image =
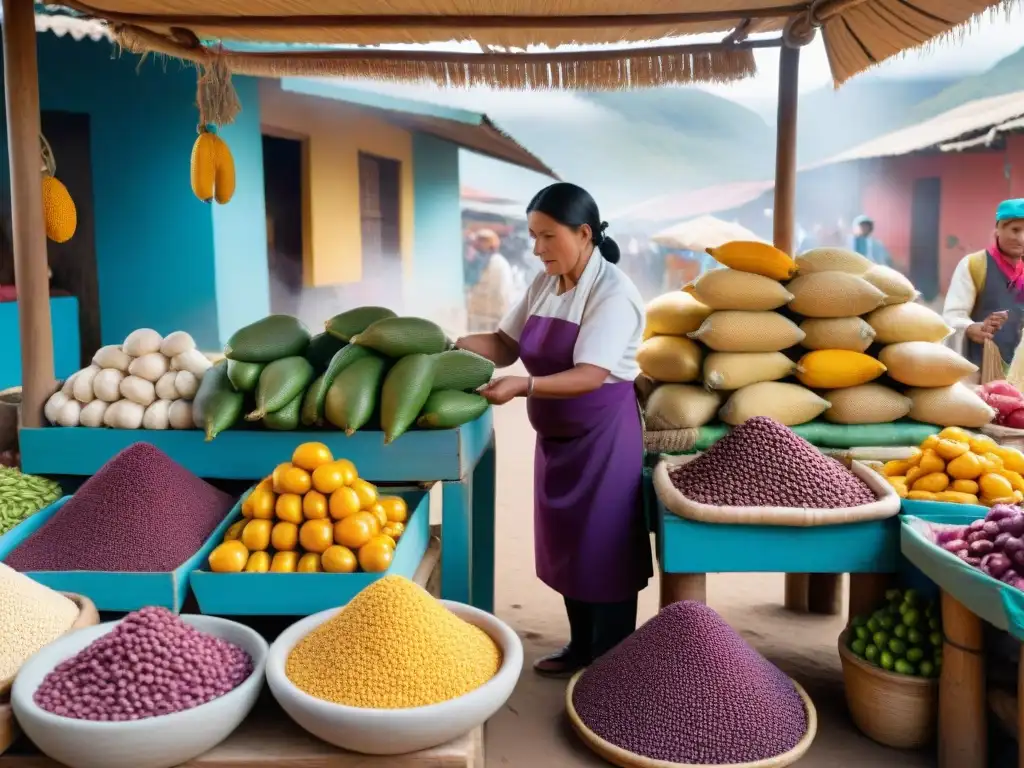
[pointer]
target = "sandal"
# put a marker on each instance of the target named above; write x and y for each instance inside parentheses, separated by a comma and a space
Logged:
(560, 664)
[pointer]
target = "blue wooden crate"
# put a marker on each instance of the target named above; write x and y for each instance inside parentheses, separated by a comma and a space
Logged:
(246, 454)
(115, 590)
(942, 511)
(687, 546)
(301, 594)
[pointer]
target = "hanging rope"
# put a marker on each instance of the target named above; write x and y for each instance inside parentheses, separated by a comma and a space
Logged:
(215, 94)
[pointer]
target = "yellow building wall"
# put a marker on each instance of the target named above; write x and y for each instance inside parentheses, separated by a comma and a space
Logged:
(333, 135)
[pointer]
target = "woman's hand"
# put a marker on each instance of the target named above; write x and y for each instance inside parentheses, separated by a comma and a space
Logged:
(506, 388)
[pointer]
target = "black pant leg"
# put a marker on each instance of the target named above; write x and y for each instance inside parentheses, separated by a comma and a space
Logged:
(613, 623)
(581, 628)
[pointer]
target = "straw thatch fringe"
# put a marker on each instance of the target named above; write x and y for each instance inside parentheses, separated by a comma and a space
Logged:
(585, 70)
(215, 95)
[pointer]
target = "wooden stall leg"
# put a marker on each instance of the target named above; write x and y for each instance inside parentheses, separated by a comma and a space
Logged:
(824, 594)
(1020, 709)
(963, 727)
(797, 592)
(482, 556)
(683, 586)
(457, 540)
(867, 592)
(31, 271)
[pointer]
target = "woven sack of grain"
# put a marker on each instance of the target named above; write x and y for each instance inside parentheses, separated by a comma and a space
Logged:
(922, 364)
(852, 333)
(886, 505)
(866, 404)
(830, 259)
(954, 406)
(675, 314)
(672, 359)
(735, 370)
(732, 289)
(894, 284)
(737, 331)
(837, 368)
(788, 404)
(907, 322)
(833, 294)
(680, 406)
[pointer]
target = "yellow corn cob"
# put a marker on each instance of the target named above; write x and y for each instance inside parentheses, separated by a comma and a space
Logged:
(224, 177)
(59, 210)
(204, 166)
(759, 258)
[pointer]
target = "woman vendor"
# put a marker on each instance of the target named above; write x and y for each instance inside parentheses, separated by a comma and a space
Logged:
(985, 299)
(577, 331)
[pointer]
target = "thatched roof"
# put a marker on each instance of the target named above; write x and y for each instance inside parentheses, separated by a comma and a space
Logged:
(858, 34)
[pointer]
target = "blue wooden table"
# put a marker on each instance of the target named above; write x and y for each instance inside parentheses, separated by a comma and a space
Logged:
(462, 460)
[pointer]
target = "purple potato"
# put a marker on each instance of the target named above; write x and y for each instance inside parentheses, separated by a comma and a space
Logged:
(1001, 511)
(974, 561)
(1001, 539)
(981, 548)
(1013, 544)
(974, 536)
(991, 528)
(949, 534)
(976, 525)
(963, 554)
(996, 564)
(955, 546)
(1013, 525)
(1009, 575)
(1017, 583)
(1018, 558)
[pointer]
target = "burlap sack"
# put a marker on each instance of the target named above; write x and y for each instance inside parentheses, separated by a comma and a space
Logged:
(887, 504)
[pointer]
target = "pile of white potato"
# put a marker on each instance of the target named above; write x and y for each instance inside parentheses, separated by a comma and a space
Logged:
(147, 382)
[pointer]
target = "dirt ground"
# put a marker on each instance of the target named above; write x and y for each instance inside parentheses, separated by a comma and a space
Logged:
(531, 731)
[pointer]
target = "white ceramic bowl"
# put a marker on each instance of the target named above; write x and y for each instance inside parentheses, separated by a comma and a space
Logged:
(396, 731)
(154, 742)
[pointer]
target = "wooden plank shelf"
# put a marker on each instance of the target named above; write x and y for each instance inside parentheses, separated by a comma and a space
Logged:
(248, 454)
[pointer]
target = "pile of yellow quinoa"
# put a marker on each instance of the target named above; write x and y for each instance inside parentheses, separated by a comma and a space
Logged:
(31, 616)
(393, 647)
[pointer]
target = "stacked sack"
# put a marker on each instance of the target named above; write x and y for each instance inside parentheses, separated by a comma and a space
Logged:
(748, 336)
(146, 382)
(850, 304)
(671, 361)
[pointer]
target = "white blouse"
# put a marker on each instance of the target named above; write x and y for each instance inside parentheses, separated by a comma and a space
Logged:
(604, 303)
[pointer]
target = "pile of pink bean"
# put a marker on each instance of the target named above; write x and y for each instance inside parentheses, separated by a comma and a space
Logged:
(151, 664)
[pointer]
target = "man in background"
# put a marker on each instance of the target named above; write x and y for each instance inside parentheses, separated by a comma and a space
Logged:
(864, 242)
(490, 299)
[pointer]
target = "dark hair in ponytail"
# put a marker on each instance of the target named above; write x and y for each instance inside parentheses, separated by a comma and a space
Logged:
(572, 206)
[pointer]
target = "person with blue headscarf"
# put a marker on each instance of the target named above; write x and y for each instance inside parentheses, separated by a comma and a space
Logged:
(985, 300)
(864, 242)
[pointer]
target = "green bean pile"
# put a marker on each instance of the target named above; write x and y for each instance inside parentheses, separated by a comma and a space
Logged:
(21, 496)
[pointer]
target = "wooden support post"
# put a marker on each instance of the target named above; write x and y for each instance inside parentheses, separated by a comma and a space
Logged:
(867, 592)
(21, 84)
(963, 715)
(683, 586)
(784, 217)
(825, 594)
(1020, 709)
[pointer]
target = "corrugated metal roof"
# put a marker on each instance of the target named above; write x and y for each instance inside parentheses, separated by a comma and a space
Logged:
(48, 20)
(948, 129)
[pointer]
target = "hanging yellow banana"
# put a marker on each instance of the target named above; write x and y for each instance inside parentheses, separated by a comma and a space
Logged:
(224, 178)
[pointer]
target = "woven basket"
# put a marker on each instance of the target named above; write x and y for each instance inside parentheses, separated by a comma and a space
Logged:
(620, 757)
(10, 404)
(895, 710)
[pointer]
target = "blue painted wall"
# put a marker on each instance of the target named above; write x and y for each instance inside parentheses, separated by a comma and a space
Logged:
(63, 316)
(436, 289)
(164, 259)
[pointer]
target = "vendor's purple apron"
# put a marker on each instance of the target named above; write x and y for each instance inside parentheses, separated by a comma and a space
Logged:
(591, 542)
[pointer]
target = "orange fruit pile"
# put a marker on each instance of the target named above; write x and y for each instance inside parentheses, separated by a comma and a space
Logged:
(313, 514)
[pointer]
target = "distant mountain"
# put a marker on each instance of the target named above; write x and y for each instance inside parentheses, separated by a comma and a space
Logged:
(1006, 76)
(863, 109)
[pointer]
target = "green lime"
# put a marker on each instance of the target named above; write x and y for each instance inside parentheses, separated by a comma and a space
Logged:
(858, 646)
(926, 669)
(904, 607)
(935, 638)
(911, 596)
(893, 595)
(886, 660)
(893, 610)
(903, 667)
(873, 625)
(858, 621)
(911, 617)
(934, 623)
(898, 647)
(914, 655)
(871, 653)
(914, 636)
(900, 631)
(887, 622)
(881, 639)
(862, 633)
(930, 610)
